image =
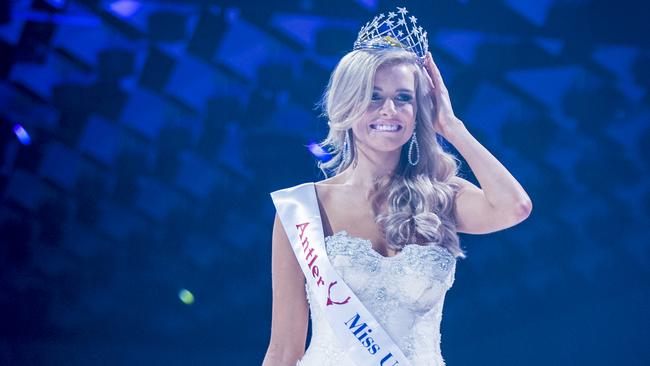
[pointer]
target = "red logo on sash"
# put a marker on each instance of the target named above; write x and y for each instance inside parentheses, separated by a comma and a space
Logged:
(329, 297)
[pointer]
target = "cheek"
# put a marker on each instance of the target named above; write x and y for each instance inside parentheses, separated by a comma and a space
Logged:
(409, 115)
(409, 111)
(359, 127)
(371, 112)
(362, 124)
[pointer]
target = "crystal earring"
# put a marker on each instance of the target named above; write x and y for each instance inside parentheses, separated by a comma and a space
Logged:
(346, 148)
(414, 142)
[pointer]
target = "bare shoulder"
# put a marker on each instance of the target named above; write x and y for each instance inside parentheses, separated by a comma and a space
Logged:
(327, 187)
(335, 180)
(458, 180)
(462, 184)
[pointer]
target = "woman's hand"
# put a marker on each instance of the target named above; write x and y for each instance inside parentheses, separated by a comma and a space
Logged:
(444, 119)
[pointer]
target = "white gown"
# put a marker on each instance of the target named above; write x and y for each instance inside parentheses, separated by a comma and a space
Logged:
(405, 293)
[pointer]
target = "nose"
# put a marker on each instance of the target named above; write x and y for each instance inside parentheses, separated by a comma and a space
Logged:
(388, 107)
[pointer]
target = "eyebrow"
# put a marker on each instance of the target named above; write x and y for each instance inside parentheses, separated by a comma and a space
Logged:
(398, 90)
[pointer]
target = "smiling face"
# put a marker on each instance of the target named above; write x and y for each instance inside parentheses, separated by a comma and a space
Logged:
(389, 120)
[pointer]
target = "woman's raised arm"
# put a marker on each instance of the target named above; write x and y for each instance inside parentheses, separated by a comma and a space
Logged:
(500, 202)
(290, 314)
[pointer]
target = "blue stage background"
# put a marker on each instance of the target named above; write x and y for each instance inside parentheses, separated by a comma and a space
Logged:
(139, 141)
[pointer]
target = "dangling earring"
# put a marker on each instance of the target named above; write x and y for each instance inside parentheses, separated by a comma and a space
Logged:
(346, 148)
(414, 142)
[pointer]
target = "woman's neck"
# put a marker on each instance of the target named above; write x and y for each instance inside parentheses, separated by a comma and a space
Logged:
(367, 169)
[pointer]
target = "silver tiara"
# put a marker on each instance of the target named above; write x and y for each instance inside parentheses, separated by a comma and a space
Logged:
(394, 30)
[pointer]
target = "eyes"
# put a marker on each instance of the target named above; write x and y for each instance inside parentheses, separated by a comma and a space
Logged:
(400, 98)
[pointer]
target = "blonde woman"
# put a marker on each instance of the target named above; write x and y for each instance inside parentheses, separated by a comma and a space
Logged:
(382, 254)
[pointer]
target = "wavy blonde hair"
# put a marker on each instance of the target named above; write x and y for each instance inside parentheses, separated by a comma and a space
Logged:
(416, 203)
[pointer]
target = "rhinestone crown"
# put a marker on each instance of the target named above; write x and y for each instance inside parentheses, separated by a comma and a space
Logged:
(394, 30)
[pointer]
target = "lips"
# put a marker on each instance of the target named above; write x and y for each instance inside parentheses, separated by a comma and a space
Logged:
(386, 126)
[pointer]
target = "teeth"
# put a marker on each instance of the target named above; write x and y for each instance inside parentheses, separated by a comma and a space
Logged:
(385, 127)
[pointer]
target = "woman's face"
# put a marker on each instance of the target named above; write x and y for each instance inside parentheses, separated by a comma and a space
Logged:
(389, 121)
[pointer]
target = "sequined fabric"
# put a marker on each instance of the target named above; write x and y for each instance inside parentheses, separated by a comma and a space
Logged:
(404, 292)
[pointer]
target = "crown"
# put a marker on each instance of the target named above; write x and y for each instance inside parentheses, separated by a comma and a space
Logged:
(394, 30)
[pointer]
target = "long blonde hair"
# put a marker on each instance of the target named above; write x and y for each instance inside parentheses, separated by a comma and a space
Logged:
(418, 200)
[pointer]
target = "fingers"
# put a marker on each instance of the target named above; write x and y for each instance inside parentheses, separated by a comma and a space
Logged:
(434, 72)
(429, 80)
(428, 63)
(432, 65)
(429, 72)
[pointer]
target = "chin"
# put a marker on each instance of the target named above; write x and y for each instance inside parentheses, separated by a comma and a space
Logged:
(383, 142)
(387, 147)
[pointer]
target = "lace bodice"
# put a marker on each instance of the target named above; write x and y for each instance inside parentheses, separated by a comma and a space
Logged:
(405, 293)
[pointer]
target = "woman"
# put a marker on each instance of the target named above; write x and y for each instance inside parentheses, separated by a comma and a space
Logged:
(386, 221)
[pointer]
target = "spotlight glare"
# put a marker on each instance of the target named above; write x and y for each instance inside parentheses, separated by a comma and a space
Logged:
(22, 134)
(58, 4)
(125, 8)
(186, 297)
(318, 151)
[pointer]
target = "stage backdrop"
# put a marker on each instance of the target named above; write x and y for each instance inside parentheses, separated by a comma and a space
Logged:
(139, 140)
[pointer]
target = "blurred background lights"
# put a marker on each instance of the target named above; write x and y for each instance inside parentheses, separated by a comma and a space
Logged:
(186, 296)
(58, 4)
(318, 151)
(193, 111)
(22, 134)
(125, 8)
(232, 14)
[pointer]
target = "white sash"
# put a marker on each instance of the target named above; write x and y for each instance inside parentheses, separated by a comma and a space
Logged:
(363, 338)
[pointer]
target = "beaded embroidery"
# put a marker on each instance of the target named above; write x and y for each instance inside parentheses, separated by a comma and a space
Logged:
(404, 292)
